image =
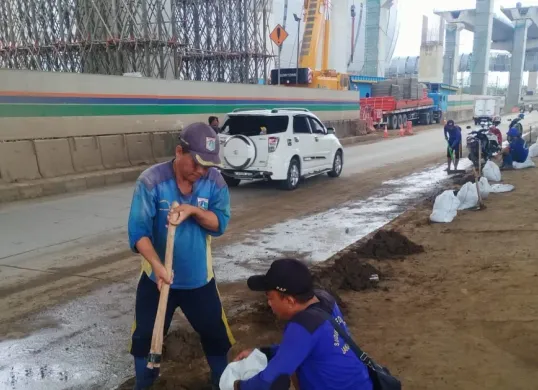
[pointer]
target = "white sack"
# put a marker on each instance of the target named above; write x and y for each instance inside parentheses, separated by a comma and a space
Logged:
(484, 187)
(243, 369)
(527, 164)
(445, 207)
(498, 188)
(468, 196)
(533, 150)
(491, 171)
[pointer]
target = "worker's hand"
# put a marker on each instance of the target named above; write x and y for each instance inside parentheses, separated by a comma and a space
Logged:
(180, 213)
(236, 385)
(243, 355)
(162, 275)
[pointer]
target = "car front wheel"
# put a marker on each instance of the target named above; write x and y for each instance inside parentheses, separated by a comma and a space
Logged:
(338, 164)
(294, 176)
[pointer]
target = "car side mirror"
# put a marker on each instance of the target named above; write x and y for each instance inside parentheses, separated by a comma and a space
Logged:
(468, 127)
(331, 130)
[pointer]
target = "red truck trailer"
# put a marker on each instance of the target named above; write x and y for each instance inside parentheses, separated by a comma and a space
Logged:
(387, 110)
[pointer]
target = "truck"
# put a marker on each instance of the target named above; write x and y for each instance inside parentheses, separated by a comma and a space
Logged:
(487, 107)
(392, 112)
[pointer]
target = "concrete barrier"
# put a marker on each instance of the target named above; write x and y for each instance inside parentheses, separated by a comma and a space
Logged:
(86, 154)
(18, 161)
(54, 157)
(139, 149)
(163, 145)
(113, 151)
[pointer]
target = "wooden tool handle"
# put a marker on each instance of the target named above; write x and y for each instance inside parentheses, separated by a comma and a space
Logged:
(158, 327)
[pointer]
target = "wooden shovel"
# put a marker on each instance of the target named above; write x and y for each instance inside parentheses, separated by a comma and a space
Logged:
(155, 353)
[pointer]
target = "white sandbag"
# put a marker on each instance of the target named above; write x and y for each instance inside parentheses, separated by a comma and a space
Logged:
(468, 196)
(527, 164)
(491, 171)
(533, 150)
(243, 369)
(498, 188)
(484, 187)
(445, 207)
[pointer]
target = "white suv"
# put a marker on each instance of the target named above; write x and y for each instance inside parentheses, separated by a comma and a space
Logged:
(282, 144)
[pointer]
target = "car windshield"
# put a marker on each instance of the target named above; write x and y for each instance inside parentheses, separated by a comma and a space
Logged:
(251, 125)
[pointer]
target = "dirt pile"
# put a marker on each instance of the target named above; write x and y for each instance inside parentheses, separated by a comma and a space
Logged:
(388, 244)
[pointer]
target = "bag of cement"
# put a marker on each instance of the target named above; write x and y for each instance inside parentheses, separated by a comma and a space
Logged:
(491, 171)
(527, 164)
(498, 188)
(533, 151)
(484, 187)
(445, 207)
(243, 369)
(468, 196)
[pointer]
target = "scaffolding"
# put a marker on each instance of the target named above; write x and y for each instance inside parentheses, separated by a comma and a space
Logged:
(204, 40)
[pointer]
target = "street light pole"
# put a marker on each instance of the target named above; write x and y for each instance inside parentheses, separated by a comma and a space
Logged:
(298, 20)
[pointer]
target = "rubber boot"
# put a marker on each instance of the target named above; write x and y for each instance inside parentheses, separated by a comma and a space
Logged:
(217, 364)
(144, 376)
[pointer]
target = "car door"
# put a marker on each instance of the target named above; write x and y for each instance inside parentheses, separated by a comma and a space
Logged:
(304, 142)
(323, 143)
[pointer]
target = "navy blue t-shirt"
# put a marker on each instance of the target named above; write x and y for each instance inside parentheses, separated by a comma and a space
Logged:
(313, 349)
(518, 151)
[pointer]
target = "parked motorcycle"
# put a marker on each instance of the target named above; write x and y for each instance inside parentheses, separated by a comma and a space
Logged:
(515, 123)
(487, 140)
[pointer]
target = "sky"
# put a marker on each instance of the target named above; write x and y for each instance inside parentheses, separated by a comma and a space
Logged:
(411, 25)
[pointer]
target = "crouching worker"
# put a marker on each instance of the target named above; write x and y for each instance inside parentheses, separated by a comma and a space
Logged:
(516, 151)
(311, 350)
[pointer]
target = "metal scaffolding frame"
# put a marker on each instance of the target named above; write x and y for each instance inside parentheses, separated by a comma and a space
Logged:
(204, 40)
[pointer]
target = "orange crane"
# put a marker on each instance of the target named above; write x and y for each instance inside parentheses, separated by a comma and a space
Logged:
(316, 16)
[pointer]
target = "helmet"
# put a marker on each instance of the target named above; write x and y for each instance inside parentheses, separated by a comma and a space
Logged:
(521, 116)
(513, 132)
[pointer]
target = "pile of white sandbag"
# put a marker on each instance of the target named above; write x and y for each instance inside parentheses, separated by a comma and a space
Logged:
(447, 204)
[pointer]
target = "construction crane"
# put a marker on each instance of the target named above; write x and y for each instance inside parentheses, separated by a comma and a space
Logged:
(316, 16)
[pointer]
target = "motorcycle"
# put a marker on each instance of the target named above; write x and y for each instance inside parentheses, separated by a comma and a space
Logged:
(489, 144)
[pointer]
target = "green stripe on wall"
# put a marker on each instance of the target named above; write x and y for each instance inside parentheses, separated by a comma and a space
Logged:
(461, 103)
(63, 110)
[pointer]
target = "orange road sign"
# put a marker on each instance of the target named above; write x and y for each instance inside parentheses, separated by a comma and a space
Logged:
(278, 35)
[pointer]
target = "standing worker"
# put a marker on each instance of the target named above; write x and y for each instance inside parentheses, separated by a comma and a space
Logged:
(453, 138)
(204, 205)
(214, 123)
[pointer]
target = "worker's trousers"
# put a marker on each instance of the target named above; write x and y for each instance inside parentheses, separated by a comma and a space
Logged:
(202, 308)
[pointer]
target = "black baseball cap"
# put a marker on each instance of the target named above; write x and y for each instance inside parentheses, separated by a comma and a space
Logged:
(288, 276)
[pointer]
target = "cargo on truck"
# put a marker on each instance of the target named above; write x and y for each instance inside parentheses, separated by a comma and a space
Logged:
(396, 101)
(487, 107)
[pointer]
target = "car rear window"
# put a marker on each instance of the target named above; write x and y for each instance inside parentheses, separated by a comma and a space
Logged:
(251, 125)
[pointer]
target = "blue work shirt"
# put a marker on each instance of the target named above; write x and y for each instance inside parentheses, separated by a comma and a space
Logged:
(313, 350)
(518, 151)
(453, 135)
(155, 190)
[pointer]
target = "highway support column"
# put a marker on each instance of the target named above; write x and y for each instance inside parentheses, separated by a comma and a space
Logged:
(481, 46)
(533, 81)
(517, 62)
(451, 61)
(377, 16)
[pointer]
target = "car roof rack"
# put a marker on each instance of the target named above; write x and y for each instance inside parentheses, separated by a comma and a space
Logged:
(275, 110)
(248, 109)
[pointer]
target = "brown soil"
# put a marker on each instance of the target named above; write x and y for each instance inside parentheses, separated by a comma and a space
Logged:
(460, 314)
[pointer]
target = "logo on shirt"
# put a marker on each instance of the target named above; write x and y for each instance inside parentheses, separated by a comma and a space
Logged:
(203, 203)
(210, 143)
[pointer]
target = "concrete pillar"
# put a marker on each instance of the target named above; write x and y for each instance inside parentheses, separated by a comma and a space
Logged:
(451, 62)
(481, 46)
(375, 37)
(424, 29)
(517, 63)
(533, 81)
